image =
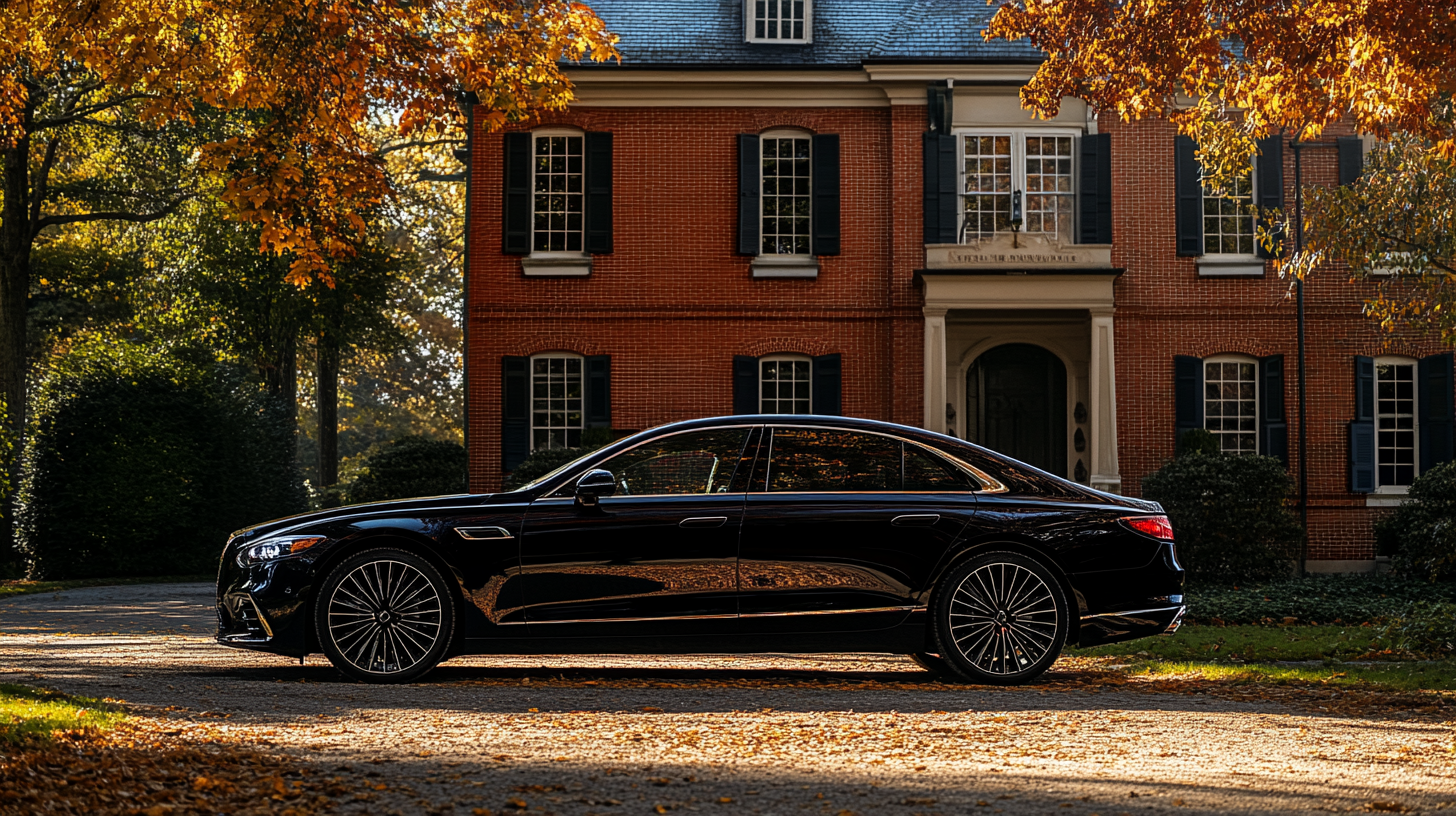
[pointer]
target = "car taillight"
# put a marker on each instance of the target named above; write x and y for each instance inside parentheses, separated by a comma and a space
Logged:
(1155, 526)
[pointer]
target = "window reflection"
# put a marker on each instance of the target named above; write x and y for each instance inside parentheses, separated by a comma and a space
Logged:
(927, 473)
(701, 462)
(805, 459)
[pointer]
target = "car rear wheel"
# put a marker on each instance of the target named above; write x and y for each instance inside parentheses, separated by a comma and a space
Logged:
(384, 615)
(1001, 618)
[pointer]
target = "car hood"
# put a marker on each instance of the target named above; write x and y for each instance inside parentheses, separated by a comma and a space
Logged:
(396, 507)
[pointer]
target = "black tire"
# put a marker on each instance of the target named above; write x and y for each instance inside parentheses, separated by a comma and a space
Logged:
(933, 663)
(384, 615)
(1001, 618)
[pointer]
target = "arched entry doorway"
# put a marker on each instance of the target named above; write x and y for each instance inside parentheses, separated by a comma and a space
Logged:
(1016, 404)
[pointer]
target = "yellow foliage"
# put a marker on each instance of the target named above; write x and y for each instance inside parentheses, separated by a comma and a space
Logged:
(306, 77)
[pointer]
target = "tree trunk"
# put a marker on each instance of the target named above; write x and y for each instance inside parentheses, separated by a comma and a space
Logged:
(328, 409)
(16, 239)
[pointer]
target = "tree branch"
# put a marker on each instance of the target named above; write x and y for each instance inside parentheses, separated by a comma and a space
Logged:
(1425, 250)
(41, 182)
(82, 113)
(135, 218)
(387, 149)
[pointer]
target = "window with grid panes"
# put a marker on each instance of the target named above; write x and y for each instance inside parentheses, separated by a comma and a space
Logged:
(784, 385)
(996, 167)
(1395, 423)
(1231, 403)
(1228, 219)
(785, 195)
(557, 199)
(779, 20)
(556, 401)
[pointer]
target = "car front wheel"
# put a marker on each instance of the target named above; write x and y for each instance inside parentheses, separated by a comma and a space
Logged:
(1001, 618)
(384, 615)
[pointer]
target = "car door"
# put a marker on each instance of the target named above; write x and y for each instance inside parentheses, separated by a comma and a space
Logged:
(658, 554)
(843, 529)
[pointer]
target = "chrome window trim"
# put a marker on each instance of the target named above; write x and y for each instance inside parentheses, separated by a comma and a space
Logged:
(600, 464)
(992, 485)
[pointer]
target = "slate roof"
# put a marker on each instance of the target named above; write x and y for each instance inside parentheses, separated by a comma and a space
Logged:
(847, 34)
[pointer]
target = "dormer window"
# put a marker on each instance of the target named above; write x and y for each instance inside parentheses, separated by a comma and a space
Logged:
(779, 21)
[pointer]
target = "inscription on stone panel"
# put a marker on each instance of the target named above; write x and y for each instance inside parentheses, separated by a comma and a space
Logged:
(1002, 252)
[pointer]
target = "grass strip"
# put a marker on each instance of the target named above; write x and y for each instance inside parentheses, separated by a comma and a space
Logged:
(28, 714)
(1417, 675)
(21, 587)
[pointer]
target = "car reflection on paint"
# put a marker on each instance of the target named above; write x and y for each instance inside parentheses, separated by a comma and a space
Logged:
(728, 535)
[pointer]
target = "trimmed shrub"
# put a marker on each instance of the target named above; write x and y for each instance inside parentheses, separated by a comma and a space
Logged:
(1426, 629)
(1198, 440)
(408, 468)
(1324, 599)
(141, 463)
(1230, 516)
(1420, 535)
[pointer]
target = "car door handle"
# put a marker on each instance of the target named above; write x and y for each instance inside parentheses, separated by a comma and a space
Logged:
(483, 533)
(704, 521)
(919, 520)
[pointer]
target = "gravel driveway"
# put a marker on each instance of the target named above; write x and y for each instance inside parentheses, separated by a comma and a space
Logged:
(775, 734)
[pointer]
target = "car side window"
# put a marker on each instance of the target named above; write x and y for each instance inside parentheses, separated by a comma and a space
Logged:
(695, 462)
(826, 460)
(928, 473)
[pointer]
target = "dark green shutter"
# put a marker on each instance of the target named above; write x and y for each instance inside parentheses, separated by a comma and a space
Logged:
(1352, 159)
(517, 208)
(1189, 186)
(598, 396)
(745, 385)
(1269, 175)
(1362, 428)
(750, 168)
(599, 193)
(515, 411)
(1273, 427)
(825, 185)
(1435, 411)
(827, 385)
(942, 214)
(1094, 193)
(939, 107)
(1187, 395)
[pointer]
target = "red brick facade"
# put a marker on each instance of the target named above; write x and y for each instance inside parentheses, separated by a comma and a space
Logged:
(674, 303)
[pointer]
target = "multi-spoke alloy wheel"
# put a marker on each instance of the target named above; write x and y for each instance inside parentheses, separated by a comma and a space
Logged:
(384, 615)
(1001, 618)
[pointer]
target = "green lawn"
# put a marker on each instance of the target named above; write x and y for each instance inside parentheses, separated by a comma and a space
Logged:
(27, 713)
(1256, 652)
(12, 588)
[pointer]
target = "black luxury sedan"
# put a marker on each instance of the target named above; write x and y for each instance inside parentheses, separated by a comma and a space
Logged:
(734, 534)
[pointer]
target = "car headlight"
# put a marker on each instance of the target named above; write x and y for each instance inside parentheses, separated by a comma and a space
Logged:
(276, 548)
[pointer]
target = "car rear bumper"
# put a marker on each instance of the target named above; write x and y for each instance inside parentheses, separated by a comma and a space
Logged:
(1112, 627)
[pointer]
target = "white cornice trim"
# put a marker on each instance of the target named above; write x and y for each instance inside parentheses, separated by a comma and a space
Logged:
(960, 73)
(757, 77)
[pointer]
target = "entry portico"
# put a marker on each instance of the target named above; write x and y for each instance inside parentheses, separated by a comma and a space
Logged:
(1019, 353)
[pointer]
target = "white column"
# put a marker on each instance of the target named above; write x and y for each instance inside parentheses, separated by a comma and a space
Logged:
(935, 370)
(1103, 385)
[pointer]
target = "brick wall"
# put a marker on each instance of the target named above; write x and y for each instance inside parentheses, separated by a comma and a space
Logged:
(1165, 309)
(674, 303)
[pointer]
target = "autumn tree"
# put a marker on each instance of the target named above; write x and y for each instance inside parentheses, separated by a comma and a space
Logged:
(1296, 66)
(271, 98)
(1228, 73)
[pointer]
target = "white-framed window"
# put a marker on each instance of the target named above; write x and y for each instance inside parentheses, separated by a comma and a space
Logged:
(779, 21)
(1396, 428)
(785, 384)
(1018, 180)
(558, 201)
(786, 199)
(1228, 219)
(557, 410)
(1231, 402)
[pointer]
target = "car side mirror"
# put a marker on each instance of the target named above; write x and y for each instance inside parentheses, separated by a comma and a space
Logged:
(593, 485)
